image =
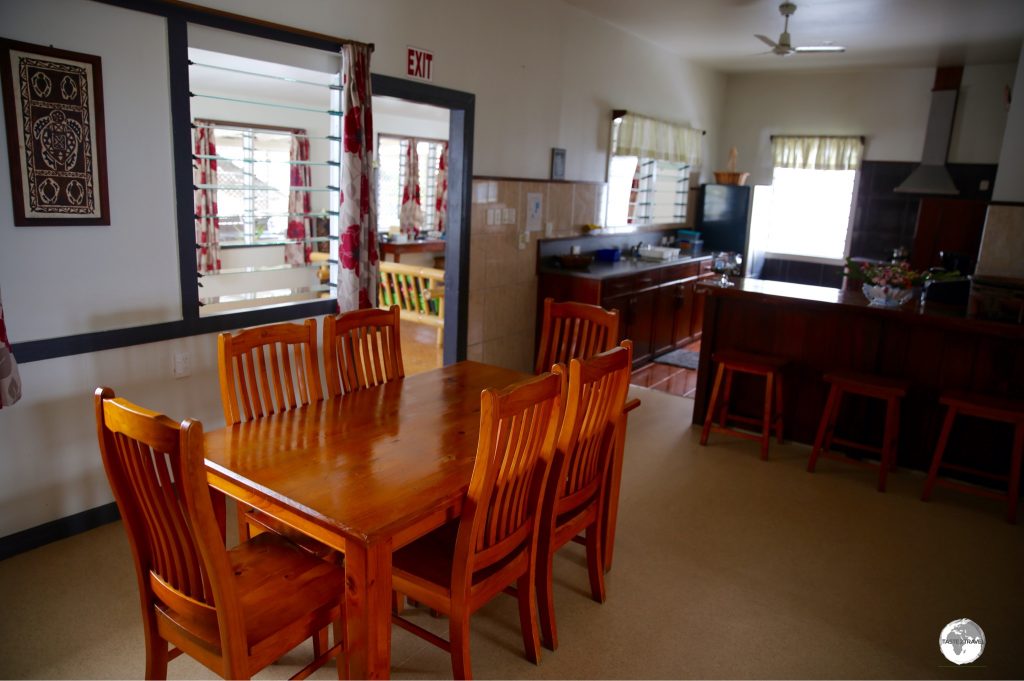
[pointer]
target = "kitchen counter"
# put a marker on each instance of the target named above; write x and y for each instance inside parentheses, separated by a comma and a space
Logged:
(608, 270)
(818, 330)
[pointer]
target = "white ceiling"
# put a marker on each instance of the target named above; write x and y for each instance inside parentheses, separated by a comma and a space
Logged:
(720, 33)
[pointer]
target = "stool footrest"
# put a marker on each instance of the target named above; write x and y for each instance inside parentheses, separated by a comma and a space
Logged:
(973, 471)
(857, 445)
(849, 459)
(971, 489)
(738, 433)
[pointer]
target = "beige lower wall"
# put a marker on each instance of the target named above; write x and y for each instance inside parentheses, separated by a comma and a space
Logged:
(1002, 242)
(503, 262)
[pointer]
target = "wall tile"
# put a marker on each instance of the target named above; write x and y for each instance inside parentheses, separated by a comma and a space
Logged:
(558, 208)
(586, 208)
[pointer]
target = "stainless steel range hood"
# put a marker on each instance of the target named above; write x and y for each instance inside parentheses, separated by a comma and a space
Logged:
(932, 177)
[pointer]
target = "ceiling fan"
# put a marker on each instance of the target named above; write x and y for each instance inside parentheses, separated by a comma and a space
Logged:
(784, 47)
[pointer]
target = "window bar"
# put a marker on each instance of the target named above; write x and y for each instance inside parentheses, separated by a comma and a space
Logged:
(269, 241)
(246, 187)
(211, 157)
(257, 102)
(239, 128)
(331, 86)
(322, 214)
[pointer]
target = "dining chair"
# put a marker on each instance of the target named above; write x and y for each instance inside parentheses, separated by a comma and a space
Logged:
(362, 348)
(462, 565)
(577, 491)
(579, 331)
(265, 370)
(235, 611)
(574, 331)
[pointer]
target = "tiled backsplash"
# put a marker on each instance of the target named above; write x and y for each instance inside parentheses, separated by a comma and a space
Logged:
(503, 260)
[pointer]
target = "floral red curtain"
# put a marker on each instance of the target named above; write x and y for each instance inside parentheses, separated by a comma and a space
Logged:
(357, 248)
(204, 175)
(300, 225)
(410, 216)
(10, 381)
(441, 205)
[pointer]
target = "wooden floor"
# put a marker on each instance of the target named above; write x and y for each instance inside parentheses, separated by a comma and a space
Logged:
(420, 351)
(667, 378)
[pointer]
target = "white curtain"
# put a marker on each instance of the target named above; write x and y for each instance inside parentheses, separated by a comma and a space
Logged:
(817, 153)
(650, 138)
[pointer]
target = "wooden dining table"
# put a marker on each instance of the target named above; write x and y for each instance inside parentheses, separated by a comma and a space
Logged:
(365, 473)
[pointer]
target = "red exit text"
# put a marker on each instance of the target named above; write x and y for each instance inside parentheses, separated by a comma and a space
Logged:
(419, 63)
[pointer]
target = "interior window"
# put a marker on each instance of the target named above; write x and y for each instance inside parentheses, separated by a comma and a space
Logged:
(643, 190)
(805, 212)
(391, 176)
(265, 165)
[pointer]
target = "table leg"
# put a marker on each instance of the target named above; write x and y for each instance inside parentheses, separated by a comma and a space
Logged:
(368, 609)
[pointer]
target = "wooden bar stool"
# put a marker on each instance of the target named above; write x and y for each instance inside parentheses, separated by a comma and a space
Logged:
(993, 409)
(730, 361)
(889, 389)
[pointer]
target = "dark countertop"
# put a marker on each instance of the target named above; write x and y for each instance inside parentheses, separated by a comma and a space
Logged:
(608, 270)
(952, 317)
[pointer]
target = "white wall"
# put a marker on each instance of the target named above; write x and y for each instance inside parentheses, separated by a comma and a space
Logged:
(544, 75)
(888, 106)
(59, 281)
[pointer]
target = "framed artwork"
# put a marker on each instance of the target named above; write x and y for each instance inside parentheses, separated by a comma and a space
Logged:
(53, 108)
(557, 163)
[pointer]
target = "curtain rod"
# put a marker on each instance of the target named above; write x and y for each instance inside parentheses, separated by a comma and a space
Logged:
(862, 138)
(619, 113)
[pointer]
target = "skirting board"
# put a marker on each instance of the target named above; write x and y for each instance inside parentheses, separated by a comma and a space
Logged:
(37, 536)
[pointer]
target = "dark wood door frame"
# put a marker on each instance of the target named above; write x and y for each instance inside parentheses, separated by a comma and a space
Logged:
(460, 185)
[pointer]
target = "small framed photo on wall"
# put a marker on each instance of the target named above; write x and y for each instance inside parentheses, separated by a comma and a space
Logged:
(53, 108)
(557, 163)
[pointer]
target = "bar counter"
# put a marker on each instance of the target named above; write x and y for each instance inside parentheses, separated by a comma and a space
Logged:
(822, 329)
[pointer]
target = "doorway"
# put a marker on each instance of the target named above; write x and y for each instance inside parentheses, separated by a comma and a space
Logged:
(460, 106)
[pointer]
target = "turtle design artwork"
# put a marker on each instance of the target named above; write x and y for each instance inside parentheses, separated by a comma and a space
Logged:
(59, 138)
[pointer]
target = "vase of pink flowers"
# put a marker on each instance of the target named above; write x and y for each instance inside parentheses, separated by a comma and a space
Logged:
(885, 284)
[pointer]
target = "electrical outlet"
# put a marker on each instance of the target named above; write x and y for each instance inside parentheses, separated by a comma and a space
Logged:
(181, 365)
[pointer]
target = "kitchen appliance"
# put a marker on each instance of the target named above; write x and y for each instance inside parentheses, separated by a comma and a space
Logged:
(723, 217)
(608, 255)
(931, 177)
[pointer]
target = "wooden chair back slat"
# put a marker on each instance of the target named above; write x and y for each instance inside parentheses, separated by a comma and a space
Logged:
(268, 369)
(595, 398)
(362, 349)
(517, 430)
(574, 331)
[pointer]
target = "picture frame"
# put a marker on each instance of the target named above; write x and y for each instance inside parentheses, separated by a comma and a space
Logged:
(56, 141)
(557, 163)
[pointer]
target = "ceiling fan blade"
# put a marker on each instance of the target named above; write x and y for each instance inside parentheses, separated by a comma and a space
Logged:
(765, 39)
(820, 48)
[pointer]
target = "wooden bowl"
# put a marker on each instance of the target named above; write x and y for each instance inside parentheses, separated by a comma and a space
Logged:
(724, 177)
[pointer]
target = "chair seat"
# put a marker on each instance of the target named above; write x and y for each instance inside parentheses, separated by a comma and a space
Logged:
(427, 562)
(986, 406)
(747, 361)
(279, 585)
(868, 384)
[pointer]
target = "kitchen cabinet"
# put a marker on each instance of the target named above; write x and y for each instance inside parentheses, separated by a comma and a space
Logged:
(658, 308)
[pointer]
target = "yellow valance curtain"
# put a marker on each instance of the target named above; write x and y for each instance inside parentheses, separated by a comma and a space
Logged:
(817, 153)
(650, 138)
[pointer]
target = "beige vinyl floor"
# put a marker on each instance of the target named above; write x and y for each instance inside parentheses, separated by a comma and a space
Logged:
(725, 567)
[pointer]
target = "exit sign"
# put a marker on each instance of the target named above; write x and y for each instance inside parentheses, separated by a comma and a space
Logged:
(419, 63)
